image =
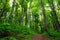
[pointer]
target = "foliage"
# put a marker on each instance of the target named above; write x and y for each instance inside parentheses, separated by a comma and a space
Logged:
(19, 18)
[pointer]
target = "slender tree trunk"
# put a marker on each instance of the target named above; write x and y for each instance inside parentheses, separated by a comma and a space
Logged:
(10, 17)
(16, 14)
(24, 13)
(21, 17)
(45, 21)
(36, 22)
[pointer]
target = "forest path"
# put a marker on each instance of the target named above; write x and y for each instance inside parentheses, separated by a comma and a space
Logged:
(36, 37)
(39, 37)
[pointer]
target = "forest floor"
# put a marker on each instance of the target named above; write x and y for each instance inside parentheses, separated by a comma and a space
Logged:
(40, 37)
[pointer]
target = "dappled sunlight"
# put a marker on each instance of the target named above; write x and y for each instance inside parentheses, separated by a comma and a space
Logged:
(11, 2)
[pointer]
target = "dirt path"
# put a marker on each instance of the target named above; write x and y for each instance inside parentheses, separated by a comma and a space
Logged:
(39, 37)
(36, 37)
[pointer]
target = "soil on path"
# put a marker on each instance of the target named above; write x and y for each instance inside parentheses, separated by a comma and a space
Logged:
(39, 37)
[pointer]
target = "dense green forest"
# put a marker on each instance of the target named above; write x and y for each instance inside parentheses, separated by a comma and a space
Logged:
(23, 19)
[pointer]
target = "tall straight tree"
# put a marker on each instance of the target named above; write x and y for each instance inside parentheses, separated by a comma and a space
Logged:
(4, 5)
(23, 4)
(45, 20)
(56, 22)
(29, 13)
(10, 16)
(43, 10)
(25, 11)
(16, 13)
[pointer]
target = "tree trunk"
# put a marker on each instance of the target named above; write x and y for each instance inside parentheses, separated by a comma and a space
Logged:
(55, 15)
(10, 17)
(45, 21)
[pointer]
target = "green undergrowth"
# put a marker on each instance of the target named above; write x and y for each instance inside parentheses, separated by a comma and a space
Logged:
(19, 31)
(22, 31)
(55, 35)
(8, 38)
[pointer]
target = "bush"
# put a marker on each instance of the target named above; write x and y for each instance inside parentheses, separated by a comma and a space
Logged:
(8, 38)
(15, 30)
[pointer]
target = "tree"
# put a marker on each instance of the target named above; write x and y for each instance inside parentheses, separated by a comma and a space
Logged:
(56, 22)
(5, 8)
(12, 10)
